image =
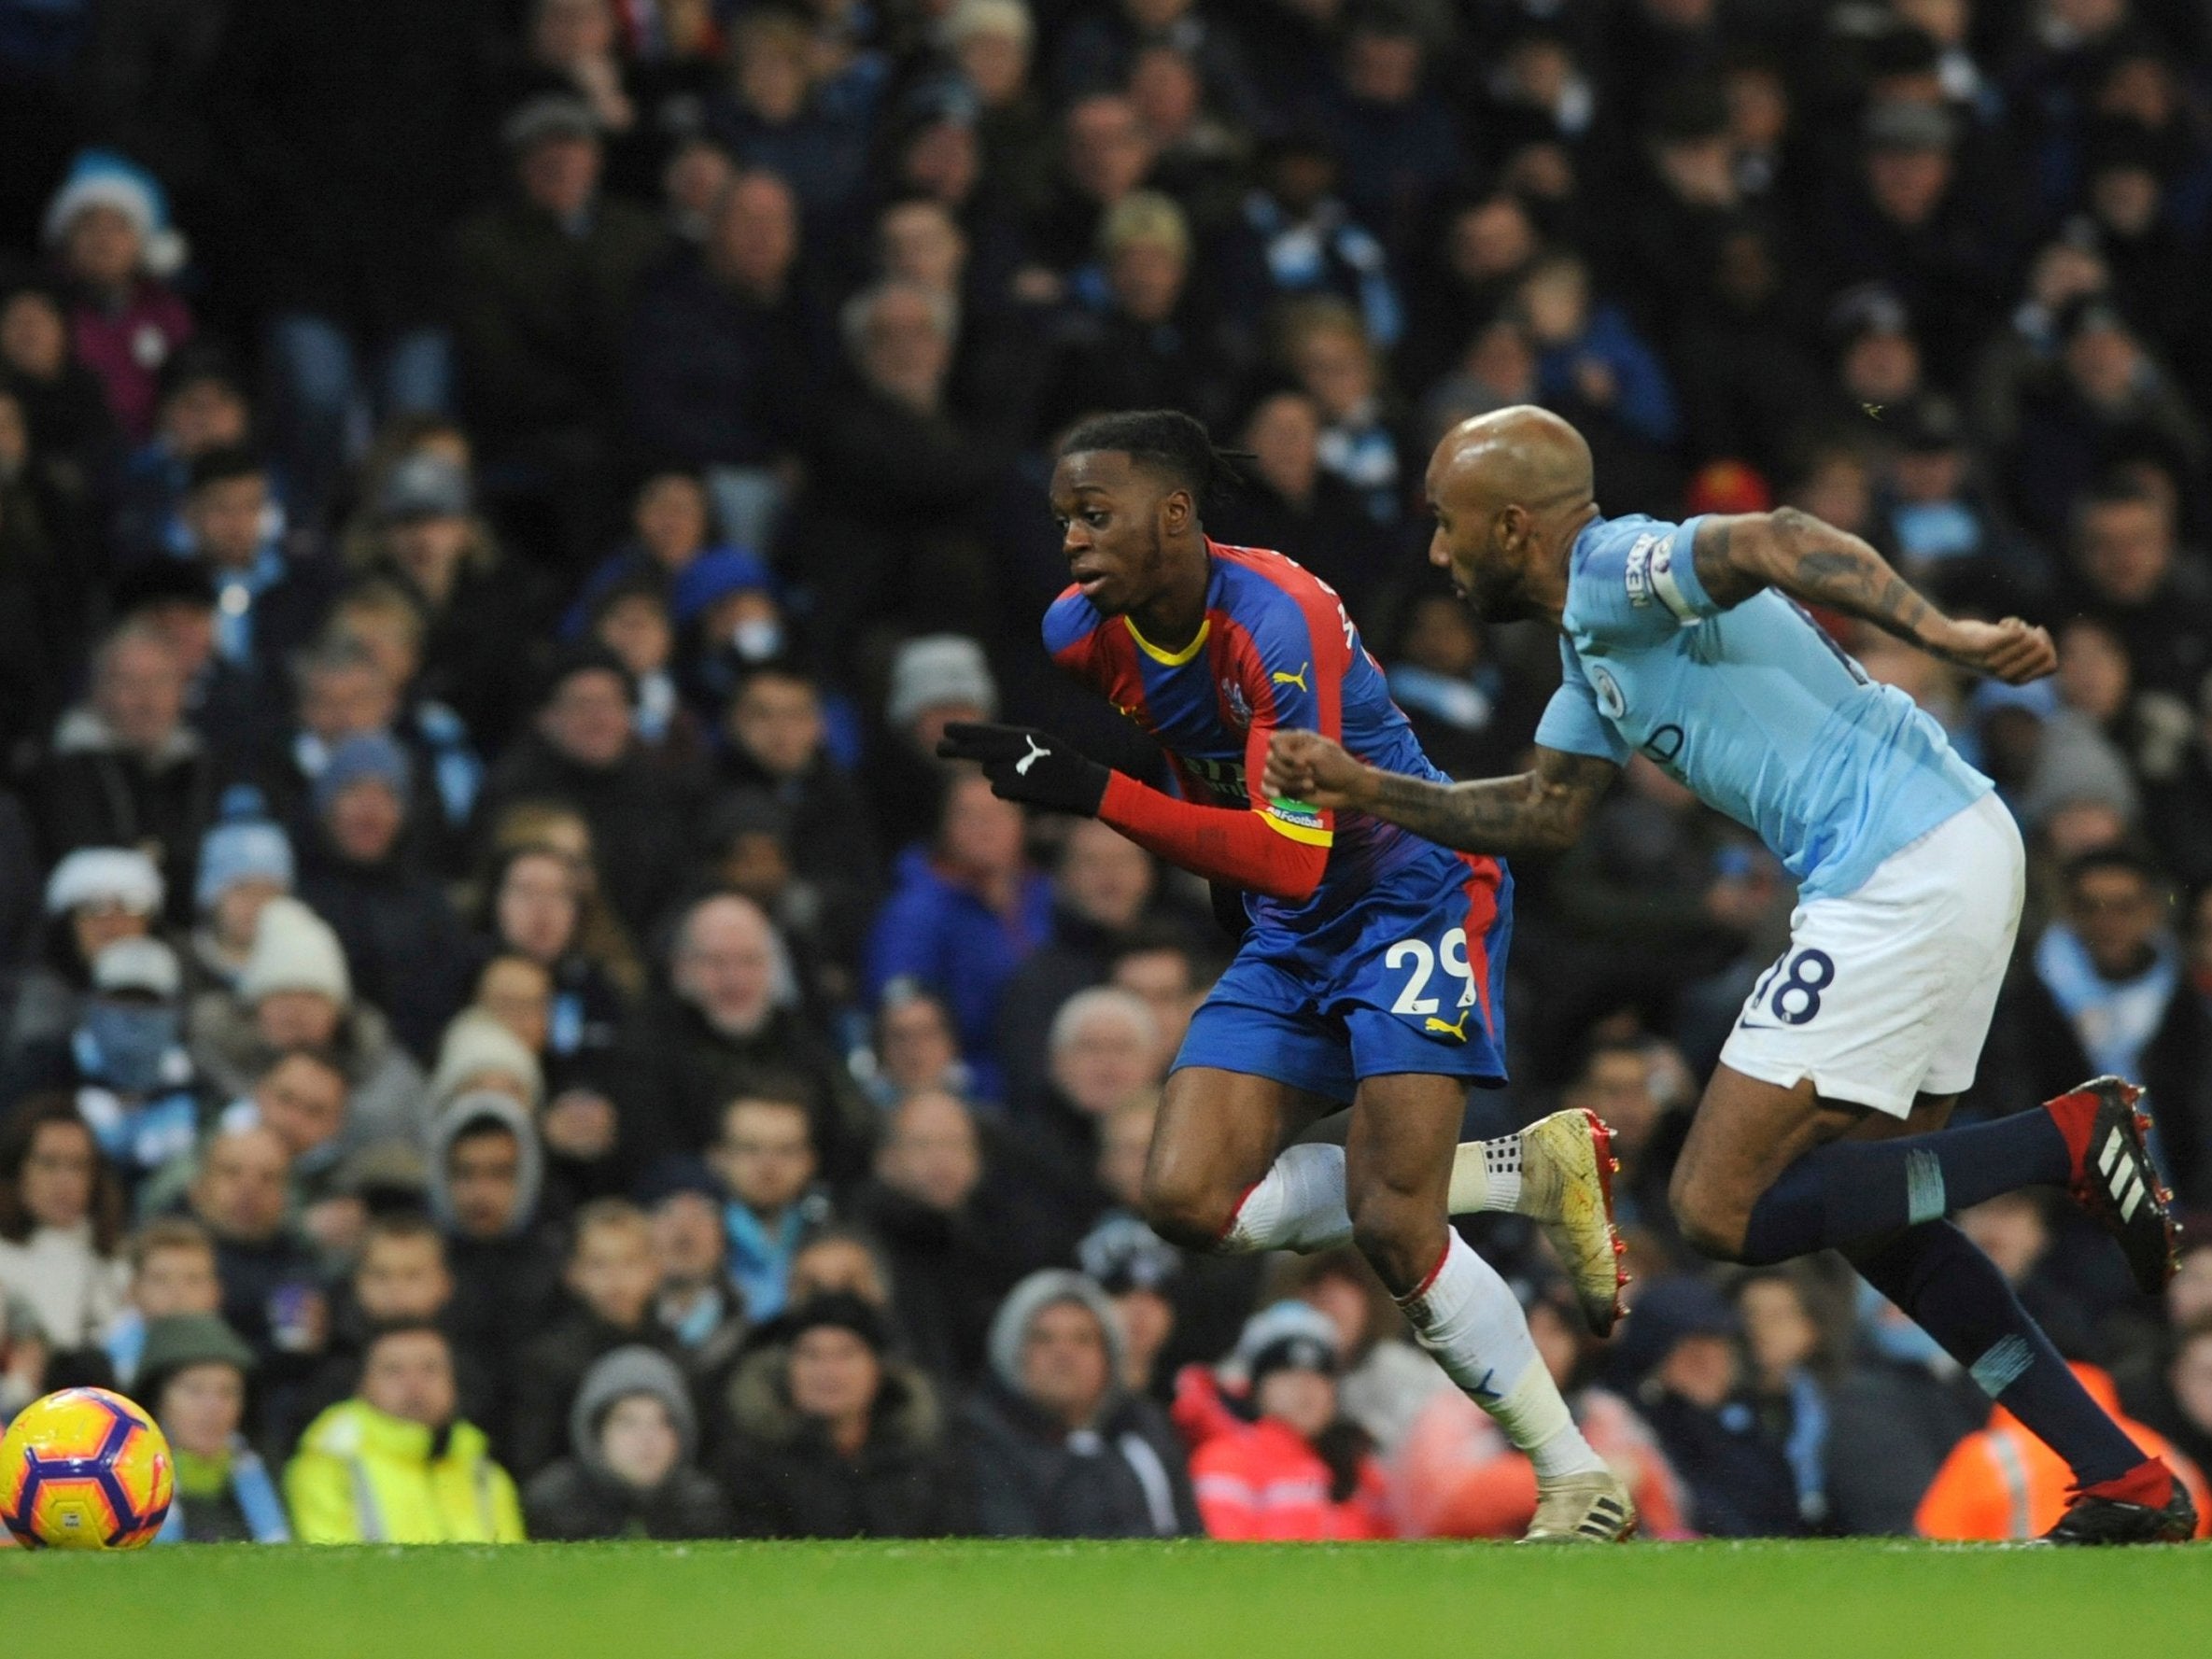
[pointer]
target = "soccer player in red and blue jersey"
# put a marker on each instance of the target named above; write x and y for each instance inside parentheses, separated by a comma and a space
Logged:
(1371, 971)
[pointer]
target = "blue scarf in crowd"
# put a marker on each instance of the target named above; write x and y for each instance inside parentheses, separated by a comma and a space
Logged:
(2114, 1019)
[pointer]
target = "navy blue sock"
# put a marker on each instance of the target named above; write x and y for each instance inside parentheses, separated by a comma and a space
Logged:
(1955, 1293)
(1849, 1191)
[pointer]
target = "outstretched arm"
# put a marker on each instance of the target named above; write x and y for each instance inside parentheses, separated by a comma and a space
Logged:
(1258, 851)
(1542, 810)
(1739, 553)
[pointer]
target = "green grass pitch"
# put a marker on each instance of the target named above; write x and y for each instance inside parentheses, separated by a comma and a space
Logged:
(1206, 1601)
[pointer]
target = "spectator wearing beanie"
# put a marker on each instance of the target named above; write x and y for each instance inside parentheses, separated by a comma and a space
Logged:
(1137, 1270)
(95, 896)
(193, 1378)
(356, 680)
(108, 229)
(425, 537)
(935, 679)
(582, 752)
(632, 1466)
(1052, 1444)
(834, 1437)
(406, 948)
(244, 864)
(1300, 1472)
(295, 992)
(476, 1054)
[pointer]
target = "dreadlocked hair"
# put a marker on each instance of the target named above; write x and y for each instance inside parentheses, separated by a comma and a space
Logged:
(1165, 439)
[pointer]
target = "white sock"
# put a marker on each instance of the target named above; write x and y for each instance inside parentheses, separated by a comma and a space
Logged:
(1298, 1205)
(1486, 1177)
(1467, 1317)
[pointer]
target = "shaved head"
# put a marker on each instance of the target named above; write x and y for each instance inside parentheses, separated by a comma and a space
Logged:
(1522, 457)
(1511, 489)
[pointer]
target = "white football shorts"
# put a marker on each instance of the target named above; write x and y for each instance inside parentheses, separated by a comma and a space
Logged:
(1887, 993)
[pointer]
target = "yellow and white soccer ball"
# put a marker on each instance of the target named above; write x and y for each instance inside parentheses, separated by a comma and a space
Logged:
(84, 1469)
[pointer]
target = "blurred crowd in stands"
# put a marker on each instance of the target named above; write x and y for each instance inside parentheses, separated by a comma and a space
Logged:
(506, 1027)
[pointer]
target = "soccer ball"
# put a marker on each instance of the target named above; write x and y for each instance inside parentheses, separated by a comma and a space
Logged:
(84, 1469)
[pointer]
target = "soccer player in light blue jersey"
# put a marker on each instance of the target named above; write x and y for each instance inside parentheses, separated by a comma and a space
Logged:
(1824, 1125)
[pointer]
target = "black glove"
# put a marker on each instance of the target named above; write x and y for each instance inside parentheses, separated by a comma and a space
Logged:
(1026, 765)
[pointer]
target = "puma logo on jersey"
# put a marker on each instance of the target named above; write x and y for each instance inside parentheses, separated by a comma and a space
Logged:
(1298, 679)
(1458, 1031)
(1037, 752)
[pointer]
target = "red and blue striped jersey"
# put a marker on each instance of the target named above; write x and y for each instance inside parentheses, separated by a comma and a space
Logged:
(1277, 651)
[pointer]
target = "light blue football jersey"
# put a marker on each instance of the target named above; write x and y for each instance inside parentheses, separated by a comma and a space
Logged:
(1753, 706)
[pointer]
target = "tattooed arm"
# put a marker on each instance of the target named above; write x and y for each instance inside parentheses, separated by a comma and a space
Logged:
(1817, 564)
(1542, 810)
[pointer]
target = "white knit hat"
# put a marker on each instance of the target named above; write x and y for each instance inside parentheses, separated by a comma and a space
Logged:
(294, 949)
(105, 178)
(935, 670)
(475, 1045)
(119, 875)
(146, 965)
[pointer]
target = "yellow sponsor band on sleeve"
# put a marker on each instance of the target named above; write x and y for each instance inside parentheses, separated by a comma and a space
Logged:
(1309, 835)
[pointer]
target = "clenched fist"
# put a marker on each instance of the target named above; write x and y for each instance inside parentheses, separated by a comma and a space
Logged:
(1307, 766)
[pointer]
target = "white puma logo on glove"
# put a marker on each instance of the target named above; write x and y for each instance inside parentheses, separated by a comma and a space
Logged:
(1036, 754)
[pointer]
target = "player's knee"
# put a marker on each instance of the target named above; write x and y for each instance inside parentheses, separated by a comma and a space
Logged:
(1399, 1235)
(1712, 1222)
(1186, 1213)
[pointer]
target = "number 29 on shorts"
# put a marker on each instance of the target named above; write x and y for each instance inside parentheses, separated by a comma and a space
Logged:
(1419, 960)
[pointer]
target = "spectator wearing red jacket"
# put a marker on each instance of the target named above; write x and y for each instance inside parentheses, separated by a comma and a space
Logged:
(1300, 1472)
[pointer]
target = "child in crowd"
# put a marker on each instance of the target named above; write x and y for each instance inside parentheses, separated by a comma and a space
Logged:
(613, 1277)
(172, 1271)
